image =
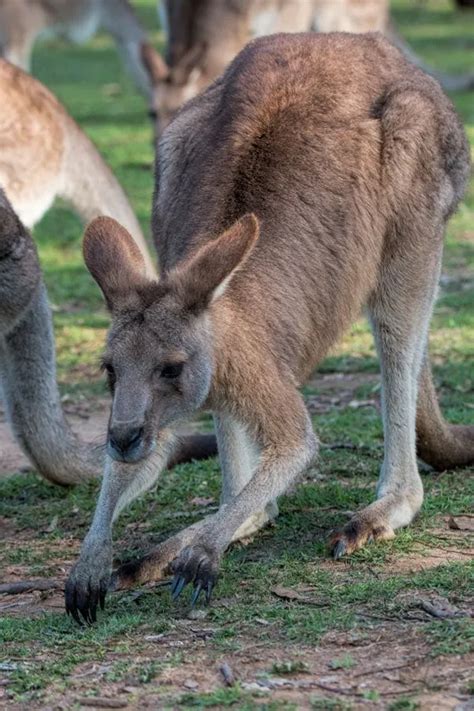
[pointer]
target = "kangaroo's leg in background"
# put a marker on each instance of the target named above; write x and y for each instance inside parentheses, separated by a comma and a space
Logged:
(119, 18)
(18, 48)
(28, 362)
(400, 312)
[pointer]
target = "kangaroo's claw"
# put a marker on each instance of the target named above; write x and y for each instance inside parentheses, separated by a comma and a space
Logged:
(179, 581)
(198, 565)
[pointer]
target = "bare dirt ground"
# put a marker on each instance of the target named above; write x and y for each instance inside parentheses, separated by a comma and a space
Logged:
(389, 661)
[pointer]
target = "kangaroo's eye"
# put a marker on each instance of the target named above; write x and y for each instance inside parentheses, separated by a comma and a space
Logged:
(171, 370)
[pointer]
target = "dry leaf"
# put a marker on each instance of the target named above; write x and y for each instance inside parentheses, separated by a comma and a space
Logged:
(461, 523)
(291, 594)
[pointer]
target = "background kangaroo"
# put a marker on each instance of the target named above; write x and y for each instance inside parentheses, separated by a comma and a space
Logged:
(43, 155)
(204, 35)
(297, 189)
(23, 21)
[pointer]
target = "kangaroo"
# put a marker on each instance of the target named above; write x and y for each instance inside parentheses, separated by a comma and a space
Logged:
(204, 35)
(44, 154)
(314, 178)
(23, 21)
(27, 362)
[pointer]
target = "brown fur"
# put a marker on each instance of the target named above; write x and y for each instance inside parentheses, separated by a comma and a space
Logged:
(351, 170)
(44, 155)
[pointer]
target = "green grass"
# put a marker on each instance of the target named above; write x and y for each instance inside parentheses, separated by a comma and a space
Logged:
(355, 597)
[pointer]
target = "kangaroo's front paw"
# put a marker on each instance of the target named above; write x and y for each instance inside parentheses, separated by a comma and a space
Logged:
(198, 565)
(88, 582)
(356, 534)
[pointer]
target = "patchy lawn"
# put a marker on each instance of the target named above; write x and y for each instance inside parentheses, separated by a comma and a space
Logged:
(389, 628)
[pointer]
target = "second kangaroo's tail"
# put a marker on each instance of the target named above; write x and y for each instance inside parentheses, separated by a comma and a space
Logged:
(439, 444)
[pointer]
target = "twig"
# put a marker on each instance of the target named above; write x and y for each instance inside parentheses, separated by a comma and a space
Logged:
(25, 586)
(387, 669)
(441, 614)
(334, 690)
(101, 702)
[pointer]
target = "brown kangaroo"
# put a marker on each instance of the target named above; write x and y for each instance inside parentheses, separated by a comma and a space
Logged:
(314, 178)
(203, 36)
(44, 155)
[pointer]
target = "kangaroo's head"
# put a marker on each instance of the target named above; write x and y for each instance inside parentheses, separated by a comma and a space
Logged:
(173, 86)
(159, 357)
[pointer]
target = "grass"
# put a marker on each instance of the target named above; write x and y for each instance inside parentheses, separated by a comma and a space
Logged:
(364, 598)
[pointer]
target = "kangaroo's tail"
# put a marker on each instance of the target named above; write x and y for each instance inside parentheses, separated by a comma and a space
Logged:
(439, 444)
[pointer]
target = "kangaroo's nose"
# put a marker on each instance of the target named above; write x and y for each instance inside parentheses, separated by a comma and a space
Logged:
(124, 441)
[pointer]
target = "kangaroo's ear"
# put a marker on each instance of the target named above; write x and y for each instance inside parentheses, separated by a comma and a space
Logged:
(206, 274)
(114, 260)
(154, 64)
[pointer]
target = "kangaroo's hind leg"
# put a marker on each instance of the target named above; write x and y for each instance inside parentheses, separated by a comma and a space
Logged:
(400, 311)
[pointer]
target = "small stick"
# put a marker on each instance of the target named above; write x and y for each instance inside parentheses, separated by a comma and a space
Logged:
(387, 669)
(25, 586)
(101, 702)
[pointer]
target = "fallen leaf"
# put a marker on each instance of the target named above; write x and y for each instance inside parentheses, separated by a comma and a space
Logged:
(287, 593)
(442, 609)
(461, 523)
(291, 594)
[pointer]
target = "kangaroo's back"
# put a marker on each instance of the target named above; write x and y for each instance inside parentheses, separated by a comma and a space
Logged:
(288, 110)
(327, 139)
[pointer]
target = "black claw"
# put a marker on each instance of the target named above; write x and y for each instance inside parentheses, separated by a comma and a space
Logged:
(339, 549)
(92, 603)
(75, 614)
(102, 594)
(210, 585)
(178, 584)
(71, 605)
(196, 593)
(85, 614)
